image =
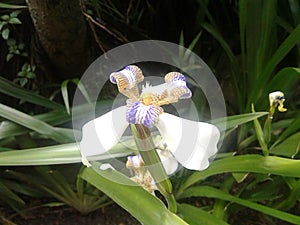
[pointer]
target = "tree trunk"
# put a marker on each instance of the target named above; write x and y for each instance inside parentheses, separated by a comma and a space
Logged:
(62, 35)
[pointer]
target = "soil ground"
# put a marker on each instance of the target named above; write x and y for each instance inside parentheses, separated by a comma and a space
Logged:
(114, 215)
(110, 215)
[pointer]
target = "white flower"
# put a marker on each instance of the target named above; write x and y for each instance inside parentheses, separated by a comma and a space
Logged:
(277, 98)
(188, 142)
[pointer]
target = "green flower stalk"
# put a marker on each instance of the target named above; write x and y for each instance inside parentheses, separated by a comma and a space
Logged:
(146, 147)
(264, 135)
(276, 100)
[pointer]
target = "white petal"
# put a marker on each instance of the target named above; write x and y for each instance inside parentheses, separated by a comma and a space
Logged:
(101, 134)
(169, 162)
(192, 143)
(155, 90)
(275, 96)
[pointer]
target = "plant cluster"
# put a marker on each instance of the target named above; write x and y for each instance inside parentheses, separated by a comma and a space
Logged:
(253, 48)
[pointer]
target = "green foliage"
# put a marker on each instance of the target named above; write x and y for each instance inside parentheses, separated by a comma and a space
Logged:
(253, 72)
(80, 195)
(6, 21)
(128, 195)
(19, 129)
(26, 74)
(15, 49)
(206, 191)
(260, 171)
(12, 6)
(192, 214)
(9, 88)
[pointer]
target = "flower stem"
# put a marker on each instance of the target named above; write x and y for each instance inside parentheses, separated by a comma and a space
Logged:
(146, 147)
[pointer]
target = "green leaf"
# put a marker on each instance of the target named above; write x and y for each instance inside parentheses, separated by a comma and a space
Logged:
(260, 135)
(15, 13)
(14, 21)
(215, 33)
(10, 6)
(5, 33)
(128, 195)
(64, 91)
(292, 127)
(9, 88)
(11, 198)
(61, 135)
(280, 53)
(210, 192)
(10, 129)
(57, 154)
(65, 95)
(82, 89)
(233, 121)
(23, 81)
(290, 75)
(198, 216)
(233, 60)
(240, 177)
(245, 163)
(295, 8)
(289, 147)
(9, 56)
(2, 24)
(5, 17)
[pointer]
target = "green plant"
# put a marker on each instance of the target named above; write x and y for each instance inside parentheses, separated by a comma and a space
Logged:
(15, 49)
(22, 130)
(26, 74)
(78, 194)
(255, 71)
(252, 184)
(6, 21)
(259, 172)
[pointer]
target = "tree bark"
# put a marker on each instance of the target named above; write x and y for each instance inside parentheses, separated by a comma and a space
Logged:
(62, 34)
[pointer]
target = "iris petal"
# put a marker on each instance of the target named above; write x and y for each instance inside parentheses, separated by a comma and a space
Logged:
(176, 87)
(138, 113)
(169, 162)
(277, 98)
(192, 143)
(101, 134)
(127, 80)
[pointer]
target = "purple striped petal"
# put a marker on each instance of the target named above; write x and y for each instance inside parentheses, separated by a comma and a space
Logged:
(128, 77)
(174, 76)
(177, 88)
(138, 113)
(127, 80)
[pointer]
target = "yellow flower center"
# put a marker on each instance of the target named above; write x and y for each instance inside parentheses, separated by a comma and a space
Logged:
(147, 99)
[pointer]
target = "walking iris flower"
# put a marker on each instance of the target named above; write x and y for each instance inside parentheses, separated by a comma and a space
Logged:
(277, 99)
(188, 142)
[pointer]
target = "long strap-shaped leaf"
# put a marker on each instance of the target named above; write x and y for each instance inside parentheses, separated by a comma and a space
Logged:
(247, 163)
(280, 53)
(53, 155)
(198, 216)
(59, 134)
(138, 202)
(9, 88)
(210, 192)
